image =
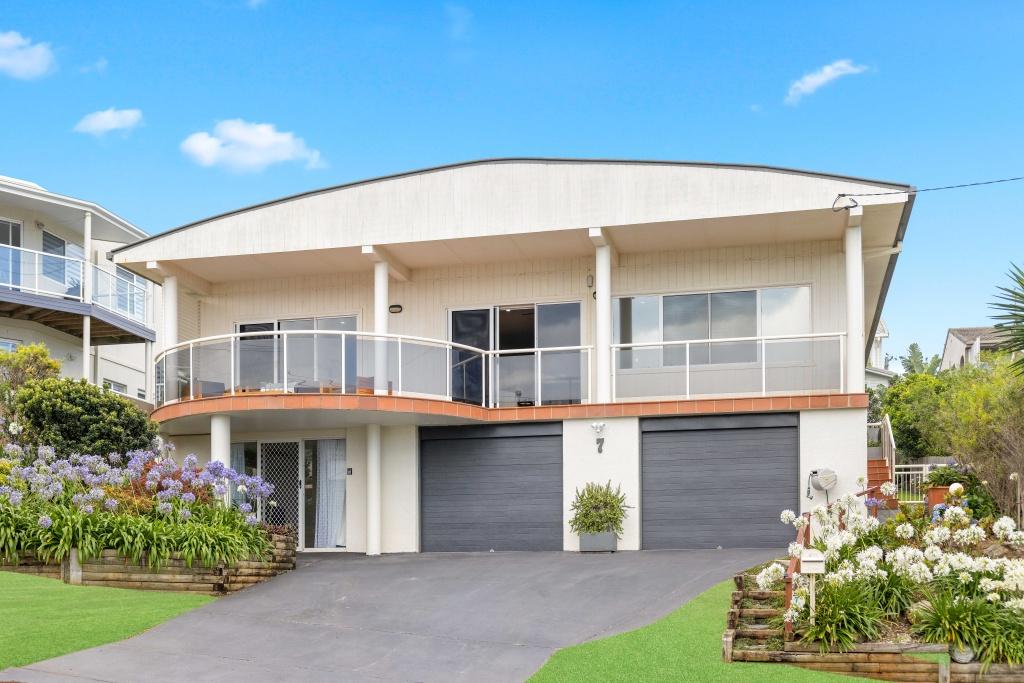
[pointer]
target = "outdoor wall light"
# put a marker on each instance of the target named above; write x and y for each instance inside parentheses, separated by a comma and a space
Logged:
(395, 308)
(598, 428)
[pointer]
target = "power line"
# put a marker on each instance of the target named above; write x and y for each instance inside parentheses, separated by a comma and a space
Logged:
(850, 195)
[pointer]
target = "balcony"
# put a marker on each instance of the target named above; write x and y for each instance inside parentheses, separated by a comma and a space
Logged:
(360, 363)
(49, 289)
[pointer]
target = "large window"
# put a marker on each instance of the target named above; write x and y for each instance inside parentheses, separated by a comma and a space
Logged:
(702, 318)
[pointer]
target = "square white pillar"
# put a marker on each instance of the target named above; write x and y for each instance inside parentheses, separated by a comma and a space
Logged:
(373, 490)
(854, 304)
(603, 322)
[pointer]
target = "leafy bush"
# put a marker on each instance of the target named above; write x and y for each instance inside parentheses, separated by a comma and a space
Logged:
(77, 417)
(971, 622)
(976, 495)
(894, 593)
(911, 403)
(26, 363)
(597, 509)
(846, 613)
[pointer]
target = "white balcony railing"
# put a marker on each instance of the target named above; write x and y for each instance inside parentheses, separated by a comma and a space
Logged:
(349, 362)
(36, 272)
(120, 295)
(736, 366)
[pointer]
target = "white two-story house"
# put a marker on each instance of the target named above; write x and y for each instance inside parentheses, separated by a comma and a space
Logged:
(436, 360)
(58, 287)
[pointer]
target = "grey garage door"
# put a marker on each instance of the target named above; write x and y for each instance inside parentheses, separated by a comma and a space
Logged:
(491, 488)
(719, 481)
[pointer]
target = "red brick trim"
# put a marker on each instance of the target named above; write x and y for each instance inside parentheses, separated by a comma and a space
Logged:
(269, 401)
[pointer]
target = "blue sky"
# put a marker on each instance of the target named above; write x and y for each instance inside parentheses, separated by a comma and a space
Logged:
(929, 94)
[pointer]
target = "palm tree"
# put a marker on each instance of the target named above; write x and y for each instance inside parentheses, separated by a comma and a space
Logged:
(1010, 303)
(914, 362)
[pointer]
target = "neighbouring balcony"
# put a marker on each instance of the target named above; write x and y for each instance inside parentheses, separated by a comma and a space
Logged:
(52, 275)
(361, 363)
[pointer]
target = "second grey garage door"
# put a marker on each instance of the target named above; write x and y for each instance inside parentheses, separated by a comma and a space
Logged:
(491, 488)
(719, 481)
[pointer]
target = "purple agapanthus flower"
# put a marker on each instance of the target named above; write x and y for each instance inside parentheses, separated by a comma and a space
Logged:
(110, 504)
(245, 507)
(188, 497)
(164, 508)
(87, 509)
(185, 513)
(45, 522)
(251, 520)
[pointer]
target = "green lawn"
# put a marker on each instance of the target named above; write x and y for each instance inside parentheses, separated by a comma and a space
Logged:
(684, 646)
(42, 618)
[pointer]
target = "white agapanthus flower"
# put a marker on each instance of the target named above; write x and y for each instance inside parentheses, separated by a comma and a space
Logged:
(955, 514)
(791, 616)
(1016, 603)
(1015, 538)
(787, 517)
(1003, 527)
(971, 535)
(770, 575)
(905, 531)
(862, 482)
(919, 572)
(800, 523)
(933, 553)
(872, 554)
(993, 597)
(936, 535)
(888, 489)
(795, 549)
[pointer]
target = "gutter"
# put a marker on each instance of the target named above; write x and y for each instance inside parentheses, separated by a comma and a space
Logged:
(890, 268)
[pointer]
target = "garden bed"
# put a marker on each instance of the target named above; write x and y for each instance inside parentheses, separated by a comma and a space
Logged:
(114, 570)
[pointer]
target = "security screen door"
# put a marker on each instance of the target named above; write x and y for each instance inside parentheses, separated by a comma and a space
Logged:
(279, 466)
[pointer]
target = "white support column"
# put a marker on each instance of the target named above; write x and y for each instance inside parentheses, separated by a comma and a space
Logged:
(220, 439)
(603, 257)
(150, 385)
(86, 348)
(373, 501)
(87, 296)
(170, 310)
(380, 326)
(854, 303)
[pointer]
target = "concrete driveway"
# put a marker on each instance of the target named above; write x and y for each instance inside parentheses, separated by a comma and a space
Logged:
(430, 617)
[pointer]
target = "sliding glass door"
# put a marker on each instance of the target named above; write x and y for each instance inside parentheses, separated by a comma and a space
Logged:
(324, 479)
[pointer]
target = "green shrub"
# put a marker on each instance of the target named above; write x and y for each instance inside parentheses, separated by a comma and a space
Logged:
(893, 594)
(993, 632)
(77, 417)
(597, 509)
(846, 613)
(976, 495)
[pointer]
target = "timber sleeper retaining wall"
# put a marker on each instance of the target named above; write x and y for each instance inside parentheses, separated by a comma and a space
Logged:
(116, 571)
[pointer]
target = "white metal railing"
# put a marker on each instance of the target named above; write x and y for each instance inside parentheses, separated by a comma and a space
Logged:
(36, 272)
(120, 295)
(556, 375)
(759, 366)
(351, 362)
(881, 432)
(910, 480)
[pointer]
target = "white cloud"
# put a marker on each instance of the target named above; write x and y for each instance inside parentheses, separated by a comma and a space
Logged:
(23, 59)
(243, 146)
(460, 20)
(808, 83)
(102, 122)
(99, 66)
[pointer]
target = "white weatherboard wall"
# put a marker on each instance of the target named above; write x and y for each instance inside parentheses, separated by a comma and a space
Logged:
(431, 292)
(836, 439)
(619, 463)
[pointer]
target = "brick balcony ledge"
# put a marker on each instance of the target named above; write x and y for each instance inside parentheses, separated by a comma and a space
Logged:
(463, 411)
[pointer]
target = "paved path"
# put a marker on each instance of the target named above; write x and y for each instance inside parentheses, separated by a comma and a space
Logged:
(429, 617)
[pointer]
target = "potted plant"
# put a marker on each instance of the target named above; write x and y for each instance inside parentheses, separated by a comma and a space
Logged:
(598, 511)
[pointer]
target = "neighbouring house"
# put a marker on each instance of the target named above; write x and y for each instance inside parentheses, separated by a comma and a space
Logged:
(965, 344)
(58, 287)
(877, 374)
(436, 360)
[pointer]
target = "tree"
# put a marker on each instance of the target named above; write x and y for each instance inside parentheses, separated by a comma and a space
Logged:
(914, 362)
(23, 364)
(1010, 301)
(911, 403)
(78, 417)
